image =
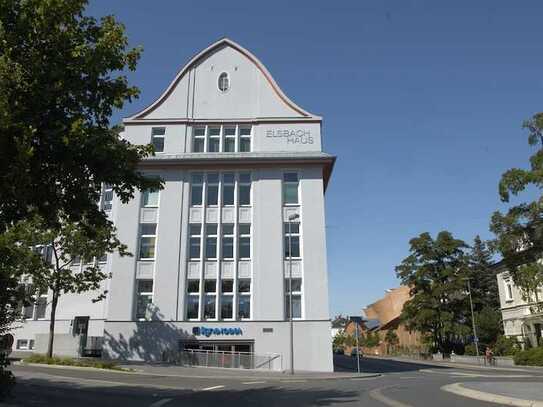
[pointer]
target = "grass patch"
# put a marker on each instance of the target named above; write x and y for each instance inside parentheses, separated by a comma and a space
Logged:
(66, 361)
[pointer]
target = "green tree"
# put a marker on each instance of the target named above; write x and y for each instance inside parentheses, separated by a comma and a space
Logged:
(483, 282)
(61, 75)
(339, 340)
(371, 339)
(519, 232)
(489, 325)
(67, 242)
(435, 272)
(391, 339)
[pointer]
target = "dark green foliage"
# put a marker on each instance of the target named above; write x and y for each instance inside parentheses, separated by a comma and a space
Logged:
(483, 282)
(371, 339)
(506, 346)
(519, 232)
(435, 271)
(489, 325)
(530, 357)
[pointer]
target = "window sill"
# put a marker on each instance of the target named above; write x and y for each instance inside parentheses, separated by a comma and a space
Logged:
(147, 259)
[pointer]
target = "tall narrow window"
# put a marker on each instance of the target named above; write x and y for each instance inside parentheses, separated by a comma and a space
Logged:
(227, 241)
(195, 231)
(223, 82)
(212, 189)
(296, 298)
(193, 299)
(144, 298)
(196, 186)
(41, 305)
(198, 139)
(245, 139)
(214, 139)
(244, 189)
(150, 198)
(211, 241)
(244, 298)
(292, 239)
(229, 139)
(508, 291)
(210, 299)
(107, 197)
(244, 248)
(228, 189)
(227, 299)
(290, 188)
(147, 241)
(157, 138)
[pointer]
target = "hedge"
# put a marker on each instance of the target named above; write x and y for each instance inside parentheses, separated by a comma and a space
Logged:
(64, 361)
(530, 357)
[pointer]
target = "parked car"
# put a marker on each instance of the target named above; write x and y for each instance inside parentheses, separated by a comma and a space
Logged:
(356, 352)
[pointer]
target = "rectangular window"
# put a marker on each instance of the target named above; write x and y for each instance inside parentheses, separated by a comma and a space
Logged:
(245, 139)
(193, 286)
(150, 198)
(144, 298)
(210, 286)
(244, 305)
(157, 138)
(214, 139)
(227, 304)
(212, 189)
(211, 241)
(508, 291)
(229, 139)
(228, 189)
(209, 306)
(31, 344)
(198, 139)
(107, 197)
(227, 241)
(292, 239)
(195, 231)
(244, 247)
(41, 306)
(193, 306)
(296, 298)
(22, 344)
(147, 241)
(244, 189)
(196, 187)
(227, 286)
(290, 188)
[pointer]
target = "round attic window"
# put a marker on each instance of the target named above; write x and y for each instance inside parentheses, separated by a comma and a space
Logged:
(224, 82)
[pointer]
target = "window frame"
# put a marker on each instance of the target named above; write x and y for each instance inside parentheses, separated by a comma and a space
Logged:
(295, 294)
(142, 236)
(240, 236)
(248, 295)
(146, 193)
(200, 184)
(286, 183)
(289, 235)
(146, 294)
(200, 137)
(198, 236)
(245, 137)
(158, 136)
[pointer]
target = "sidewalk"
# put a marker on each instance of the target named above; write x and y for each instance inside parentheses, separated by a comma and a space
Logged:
(207, 372)
(532, 369)
(166, 370)
(513, 394)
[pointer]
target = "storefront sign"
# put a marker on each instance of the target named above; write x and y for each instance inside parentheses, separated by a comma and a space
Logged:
(291, 136)
(204, 331)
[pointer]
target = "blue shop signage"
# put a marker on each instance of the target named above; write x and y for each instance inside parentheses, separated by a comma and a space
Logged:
(205, 331)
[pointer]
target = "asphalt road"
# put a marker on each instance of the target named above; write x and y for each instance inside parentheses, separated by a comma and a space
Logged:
(401, 385)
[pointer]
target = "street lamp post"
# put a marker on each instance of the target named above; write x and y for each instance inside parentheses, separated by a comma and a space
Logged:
(290, 219)
(357, 320)
(475, 339)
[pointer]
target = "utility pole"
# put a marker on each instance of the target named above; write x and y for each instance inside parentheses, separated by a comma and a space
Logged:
(475, 339)
(290, 219)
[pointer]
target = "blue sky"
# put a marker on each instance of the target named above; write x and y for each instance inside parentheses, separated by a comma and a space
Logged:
(423, 103)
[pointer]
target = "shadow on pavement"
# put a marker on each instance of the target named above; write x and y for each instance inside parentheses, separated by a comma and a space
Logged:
(344, 363)
(45, 392)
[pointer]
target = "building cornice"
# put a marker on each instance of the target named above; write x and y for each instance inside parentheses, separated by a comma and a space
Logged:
(242, 160)
(247, 120)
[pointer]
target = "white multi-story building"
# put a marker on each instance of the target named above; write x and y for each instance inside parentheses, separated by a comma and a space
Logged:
(211, 254)
(522, 319)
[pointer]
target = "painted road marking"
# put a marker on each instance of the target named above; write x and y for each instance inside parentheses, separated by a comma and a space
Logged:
(252, 382)
(211, 388)
(377, 394)
(408, 377)
(474, 374)
(293, 381)
(160, 403)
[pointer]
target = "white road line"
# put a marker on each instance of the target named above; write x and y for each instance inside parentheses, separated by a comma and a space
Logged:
(377, 395)
(211, 388)
(293, 381)
(160, 403)
(407, 377)
(252, 382)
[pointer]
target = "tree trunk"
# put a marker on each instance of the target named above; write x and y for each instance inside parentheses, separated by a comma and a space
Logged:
(52, 324)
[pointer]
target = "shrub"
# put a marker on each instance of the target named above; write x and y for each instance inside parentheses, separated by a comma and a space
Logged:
(506, 346)
(7, 380)
(530, 357)
(65, 361)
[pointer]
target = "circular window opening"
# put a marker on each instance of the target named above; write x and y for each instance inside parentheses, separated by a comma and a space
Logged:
(224, 82)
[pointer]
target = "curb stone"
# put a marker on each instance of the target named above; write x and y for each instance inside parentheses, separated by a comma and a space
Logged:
(284, 378)
(460, 390)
